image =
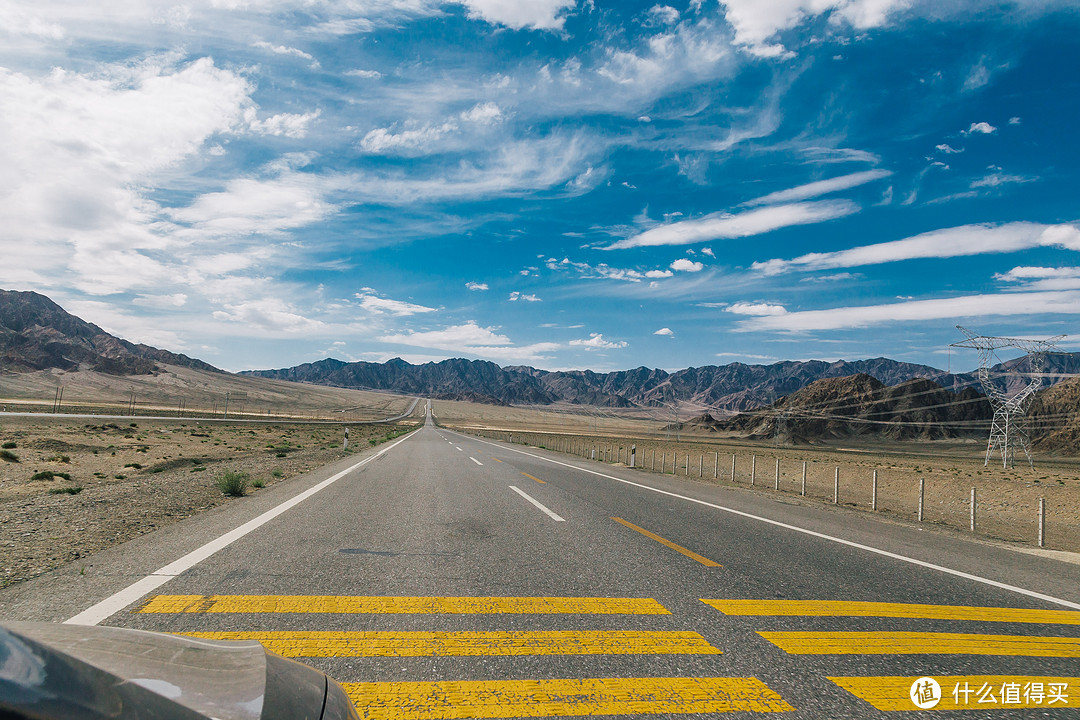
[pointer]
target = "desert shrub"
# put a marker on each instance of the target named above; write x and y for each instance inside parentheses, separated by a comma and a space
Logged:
(137, 466)
(233, 484)
(277, 472)
(49, 475)
(8, 456)
(281, 454)
(258, 483)
(66, 491)
(9, 445)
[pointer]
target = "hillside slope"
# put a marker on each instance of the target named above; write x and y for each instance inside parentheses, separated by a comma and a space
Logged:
(38, 334)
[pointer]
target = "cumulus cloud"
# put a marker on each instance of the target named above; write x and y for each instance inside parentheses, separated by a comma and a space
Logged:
(515, 296)
(476, 286)
(949, 242)
(288, 124)
(686, 265)
(720, 226)
(472, 339)
(757, 22)
(973, 306)
(374, 304)
(596, 341)
(980, 128)
(665, 331)
(756, 309)
(947, 149)
(821, 187)
(521, 14)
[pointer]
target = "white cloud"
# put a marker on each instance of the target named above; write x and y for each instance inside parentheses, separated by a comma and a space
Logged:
(1014, 121)
(384, 306)
(472, 339)
(80, 154)
(686, 265)
(974, 306)
(383, 140)
(950, 242)
(665, 331)
(980, 128)
(947, 149)
(756, 22)
(268, 314)
(161, 301)
(483, 113)
(369, 74)
(719, 226)
(515, 296)
(821, 187)
(998, 179)
(654, 274)
(596, 341)
(756, 309)
(288, 124)
(661, 15)
(1043, 278)
(468, 334)
(708, 251)
(520, 14)
(476, 285)
(284, 50)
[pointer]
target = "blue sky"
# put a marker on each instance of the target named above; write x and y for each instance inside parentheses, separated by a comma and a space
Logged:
(557, 183)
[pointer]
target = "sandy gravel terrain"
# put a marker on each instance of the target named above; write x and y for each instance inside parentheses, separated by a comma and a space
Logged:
(135, 476)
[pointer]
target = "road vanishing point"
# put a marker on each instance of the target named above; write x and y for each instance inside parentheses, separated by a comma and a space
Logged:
(447, 576)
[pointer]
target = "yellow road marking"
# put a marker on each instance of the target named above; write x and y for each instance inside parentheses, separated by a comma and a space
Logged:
(547, 698)
(663, 541)
(893, 693)
(426, 644)
(534, 478)
(371, 605)
(844, 608)
(921, 643)
(496, 459)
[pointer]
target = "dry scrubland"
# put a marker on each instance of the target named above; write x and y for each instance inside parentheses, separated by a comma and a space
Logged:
(178, 390)
(126, 478)
(1006, 501)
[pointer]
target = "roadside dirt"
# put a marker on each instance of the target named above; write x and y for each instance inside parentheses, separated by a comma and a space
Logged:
(136, 476)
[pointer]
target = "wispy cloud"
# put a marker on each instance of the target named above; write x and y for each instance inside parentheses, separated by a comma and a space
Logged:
(473, 339)
(725, 226)
(476, 285)
(756, 309)
(821, 187)
(372, 303)
(950, 242)
(515, 296)
(1042, 278)
(973, 306)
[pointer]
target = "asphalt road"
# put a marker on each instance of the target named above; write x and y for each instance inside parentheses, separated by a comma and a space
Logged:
(450, 576)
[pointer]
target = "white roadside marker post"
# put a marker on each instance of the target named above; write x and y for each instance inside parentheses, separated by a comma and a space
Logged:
(753, 469)
(776, 479)
(836, 487)
(803, 491)
(974, 504)
(922, 493)
(873, 494)
(1042, 522)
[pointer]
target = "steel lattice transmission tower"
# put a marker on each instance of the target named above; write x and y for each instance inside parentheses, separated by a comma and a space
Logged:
(1009, 427)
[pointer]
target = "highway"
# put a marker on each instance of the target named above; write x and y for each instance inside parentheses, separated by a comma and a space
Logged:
(448, 576)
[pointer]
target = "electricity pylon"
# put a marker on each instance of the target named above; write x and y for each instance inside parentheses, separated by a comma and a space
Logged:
(1009, 426)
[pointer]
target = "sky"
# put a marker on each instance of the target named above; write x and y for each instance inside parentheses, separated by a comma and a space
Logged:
(555, 183)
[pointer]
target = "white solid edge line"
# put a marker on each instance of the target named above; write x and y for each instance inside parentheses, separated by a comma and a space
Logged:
(812, 533)
(537, 503)
(476, 461)
(120, 600)
(458, 449)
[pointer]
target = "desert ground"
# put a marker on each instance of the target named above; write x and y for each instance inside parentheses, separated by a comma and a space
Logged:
(183, 392)
(70, 487)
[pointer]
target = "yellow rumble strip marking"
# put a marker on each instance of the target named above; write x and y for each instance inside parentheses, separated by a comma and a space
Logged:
(547, 698)
(663, 541)
(968, 692)
(423, 644)
(844, 608)
(398, 605)
(921, 643)
(531, 477)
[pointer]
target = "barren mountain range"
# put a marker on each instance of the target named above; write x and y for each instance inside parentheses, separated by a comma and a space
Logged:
(36, 334)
